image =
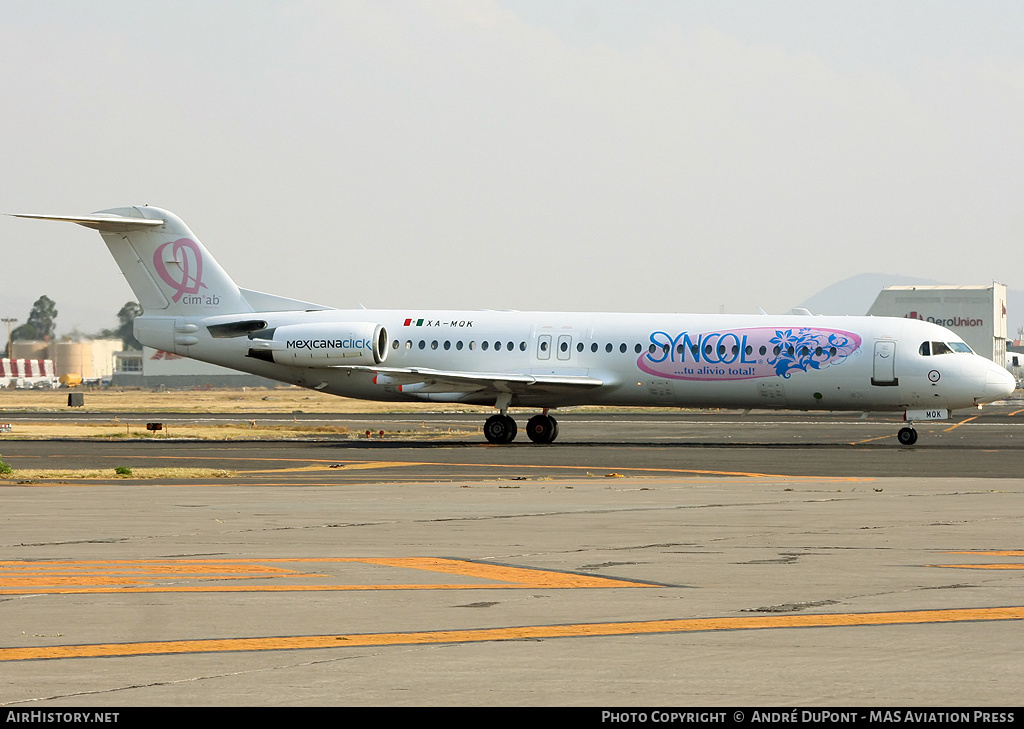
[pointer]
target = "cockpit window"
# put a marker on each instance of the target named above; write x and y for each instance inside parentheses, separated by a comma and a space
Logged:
(933, 348)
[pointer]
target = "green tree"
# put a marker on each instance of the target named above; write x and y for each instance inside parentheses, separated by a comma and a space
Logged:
(42, 321)
(126, 332)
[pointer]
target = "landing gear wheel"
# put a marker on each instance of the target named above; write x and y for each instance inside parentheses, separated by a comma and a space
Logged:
(907, 436)
(500, 429)
(542, 429)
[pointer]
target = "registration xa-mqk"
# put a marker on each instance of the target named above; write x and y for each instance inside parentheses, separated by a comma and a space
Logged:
(542, 360)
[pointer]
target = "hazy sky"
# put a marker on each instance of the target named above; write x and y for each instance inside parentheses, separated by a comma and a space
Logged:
(526, 154)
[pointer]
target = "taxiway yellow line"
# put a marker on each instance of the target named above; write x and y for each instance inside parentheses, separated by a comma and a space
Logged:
(353, 465)
(94, 576)
(502, 573)
(883, 437)
(868, 440)
(965, 420)
(1000, 553)
(582, 630)
(366, 465)
(348, 466)
(989, 566)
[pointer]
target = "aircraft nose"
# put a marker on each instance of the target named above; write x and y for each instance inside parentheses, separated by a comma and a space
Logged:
(999, 383)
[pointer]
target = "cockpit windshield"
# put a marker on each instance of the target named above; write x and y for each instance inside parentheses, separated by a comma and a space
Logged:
(929, 349)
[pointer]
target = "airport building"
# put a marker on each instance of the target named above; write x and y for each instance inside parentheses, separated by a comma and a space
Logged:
(104, 361)
(156, 368)
(976, 313)
(91, 360)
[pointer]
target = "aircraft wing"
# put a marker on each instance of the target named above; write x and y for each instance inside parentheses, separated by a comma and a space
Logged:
(422, 379)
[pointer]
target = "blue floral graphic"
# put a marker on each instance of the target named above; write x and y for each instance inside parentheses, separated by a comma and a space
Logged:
(806, 349)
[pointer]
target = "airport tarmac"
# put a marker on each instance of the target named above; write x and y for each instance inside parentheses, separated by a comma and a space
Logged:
(641, 560)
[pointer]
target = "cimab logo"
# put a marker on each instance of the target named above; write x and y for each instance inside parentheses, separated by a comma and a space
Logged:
(742, 354)
(187, 280)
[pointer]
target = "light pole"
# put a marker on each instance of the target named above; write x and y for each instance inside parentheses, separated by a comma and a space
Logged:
(8, 322)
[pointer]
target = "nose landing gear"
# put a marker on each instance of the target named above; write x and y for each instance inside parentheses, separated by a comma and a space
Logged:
(907, 436)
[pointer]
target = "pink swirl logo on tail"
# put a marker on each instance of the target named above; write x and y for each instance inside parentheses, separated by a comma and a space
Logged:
(185, 253)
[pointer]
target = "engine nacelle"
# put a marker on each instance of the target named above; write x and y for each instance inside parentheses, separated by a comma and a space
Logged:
(325, 344)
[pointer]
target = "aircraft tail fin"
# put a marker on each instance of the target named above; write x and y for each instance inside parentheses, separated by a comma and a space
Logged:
(167, 267)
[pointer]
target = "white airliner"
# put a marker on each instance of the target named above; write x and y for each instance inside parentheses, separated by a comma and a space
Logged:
(542, 360)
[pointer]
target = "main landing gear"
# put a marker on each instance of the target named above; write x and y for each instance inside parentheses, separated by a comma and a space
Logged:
(542, 429)
(502, 429)
(907, 436)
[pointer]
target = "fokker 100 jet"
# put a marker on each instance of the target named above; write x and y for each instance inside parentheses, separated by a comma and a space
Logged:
(543, 360)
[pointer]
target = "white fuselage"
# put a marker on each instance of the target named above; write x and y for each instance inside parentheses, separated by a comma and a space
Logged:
(676, 360)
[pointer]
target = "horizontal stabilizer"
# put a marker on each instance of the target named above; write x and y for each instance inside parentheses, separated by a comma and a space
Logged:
(260, 301)
(111, 223)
